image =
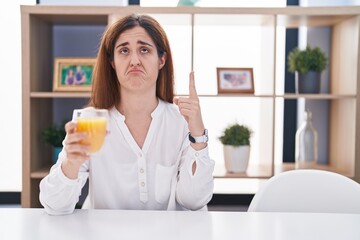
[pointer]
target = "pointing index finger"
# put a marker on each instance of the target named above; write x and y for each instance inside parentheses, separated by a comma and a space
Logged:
(192, 88)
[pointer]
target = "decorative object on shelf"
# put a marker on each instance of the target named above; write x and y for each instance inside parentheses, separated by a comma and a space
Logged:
(307, 65)
(235, 80)
(306, 149)
(54, 135)
(187, 2)
(73, 74)
(236, 141)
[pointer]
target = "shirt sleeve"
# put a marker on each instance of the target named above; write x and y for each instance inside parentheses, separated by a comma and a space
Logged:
(193, 192)
(58, 193)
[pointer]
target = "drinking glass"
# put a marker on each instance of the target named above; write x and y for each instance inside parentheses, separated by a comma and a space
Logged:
(94, 123)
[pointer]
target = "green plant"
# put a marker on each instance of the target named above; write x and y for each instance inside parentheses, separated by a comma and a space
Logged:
(310, 59)
(236, 135)
(55, 134)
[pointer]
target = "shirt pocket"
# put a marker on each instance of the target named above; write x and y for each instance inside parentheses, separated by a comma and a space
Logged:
(163, 179)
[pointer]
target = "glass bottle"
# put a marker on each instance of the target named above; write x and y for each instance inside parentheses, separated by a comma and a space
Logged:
(306, 149)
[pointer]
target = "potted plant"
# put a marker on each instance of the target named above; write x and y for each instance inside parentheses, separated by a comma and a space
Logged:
(307, 65)
(236, 141)
(54, 135)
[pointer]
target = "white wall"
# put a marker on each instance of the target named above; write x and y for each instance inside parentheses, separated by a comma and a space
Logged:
(10, 95)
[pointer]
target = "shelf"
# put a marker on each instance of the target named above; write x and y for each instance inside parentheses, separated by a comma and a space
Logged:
(60, 95)
(253, 171)
(87, 95)
(66, 15)
(106, 10)
(239, 95)
(317, 96)
(262, 171)
(310, 21)
(286, 96)
(40, 174)
(291, 166)
(263, 27)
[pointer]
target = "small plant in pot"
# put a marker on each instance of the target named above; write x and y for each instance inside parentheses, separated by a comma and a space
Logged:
(54, 135)
(236, 141)
(307, 65)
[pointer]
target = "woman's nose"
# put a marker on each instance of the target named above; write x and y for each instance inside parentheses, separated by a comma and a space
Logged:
(135, 60)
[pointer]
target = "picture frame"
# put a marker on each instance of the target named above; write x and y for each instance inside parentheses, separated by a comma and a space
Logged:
(235, 80)
(73, 74)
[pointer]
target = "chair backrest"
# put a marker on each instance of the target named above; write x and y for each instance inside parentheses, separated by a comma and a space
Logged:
(307, 191)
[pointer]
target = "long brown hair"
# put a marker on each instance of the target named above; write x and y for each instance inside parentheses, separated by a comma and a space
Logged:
(106, 88)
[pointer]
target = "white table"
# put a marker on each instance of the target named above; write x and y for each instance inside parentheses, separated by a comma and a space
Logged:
(117, 224)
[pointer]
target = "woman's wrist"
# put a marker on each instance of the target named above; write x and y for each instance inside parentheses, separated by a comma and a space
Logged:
(198, 146)
(70, 169)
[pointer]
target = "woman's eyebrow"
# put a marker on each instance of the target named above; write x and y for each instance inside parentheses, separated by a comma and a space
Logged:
(122, 44)
(139, 42)
(145, 43)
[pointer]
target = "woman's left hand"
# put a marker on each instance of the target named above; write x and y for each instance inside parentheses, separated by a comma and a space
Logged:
(189, 107)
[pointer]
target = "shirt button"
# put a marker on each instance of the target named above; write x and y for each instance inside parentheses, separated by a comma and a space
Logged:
(142, 184)
(197, 154)
(140, 154)
(141, 170)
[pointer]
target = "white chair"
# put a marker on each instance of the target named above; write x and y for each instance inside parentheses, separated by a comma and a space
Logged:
(307, 191)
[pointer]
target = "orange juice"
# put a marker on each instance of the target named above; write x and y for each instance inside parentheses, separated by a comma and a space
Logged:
(96, 131)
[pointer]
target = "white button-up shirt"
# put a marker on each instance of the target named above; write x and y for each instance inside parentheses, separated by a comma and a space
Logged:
(124, 176)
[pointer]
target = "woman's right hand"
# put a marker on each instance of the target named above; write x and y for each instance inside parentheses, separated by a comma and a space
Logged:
(76, 153)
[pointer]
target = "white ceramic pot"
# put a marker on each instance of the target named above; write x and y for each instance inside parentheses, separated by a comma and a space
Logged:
(236, 158)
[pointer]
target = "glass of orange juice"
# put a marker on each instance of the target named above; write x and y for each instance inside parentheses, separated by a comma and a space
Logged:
(94, 122)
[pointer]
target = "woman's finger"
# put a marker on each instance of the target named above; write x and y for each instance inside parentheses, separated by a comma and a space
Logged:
(70, 127)
(75, 137)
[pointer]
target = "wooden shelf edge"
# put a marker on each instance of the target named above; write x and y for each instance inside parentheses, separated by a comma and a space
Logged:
(289, 10)
(317, 96)
(253, 171)
(60, 94)
(265, 171)
(40, 173)
(286, 96)
(239, 95)
(279, 168)
(87, 95)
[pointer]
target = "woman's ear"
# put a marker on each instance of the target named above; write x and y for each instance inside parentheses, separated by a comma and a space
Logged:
(162, 60)
(112, 64)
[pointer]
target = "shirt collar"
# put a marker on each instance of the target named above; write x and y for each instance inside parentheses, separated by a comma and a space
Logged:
(114, 112)
(159, 109)
(156, 113)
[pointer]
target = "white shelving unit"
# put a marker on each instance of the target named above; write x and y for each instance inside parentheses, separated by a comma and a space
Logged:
(197, 26)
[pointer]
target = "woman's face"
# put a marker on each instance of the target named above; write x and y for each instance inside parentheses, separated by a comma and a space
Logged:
(136, 61)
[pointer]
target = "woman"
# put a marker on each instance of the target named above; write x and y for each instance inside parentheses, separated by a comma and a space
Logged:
(156, 155)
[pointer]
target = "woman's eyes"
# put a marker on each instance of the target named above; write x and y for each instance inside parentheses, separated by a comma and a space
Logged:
(144, 50)
(125, 51)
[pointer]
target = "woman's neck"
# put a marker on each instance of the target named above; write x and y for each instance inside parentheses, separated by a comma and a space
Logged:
(135, 105)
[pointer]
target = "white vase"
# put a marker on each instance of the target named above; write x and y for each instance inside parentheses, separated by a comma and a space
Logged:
(306, 144)
(236, 158)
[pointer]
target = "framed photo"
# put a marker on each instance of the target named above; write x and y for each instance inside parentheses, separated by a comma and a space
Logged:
(73, 74)
(235, 80)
